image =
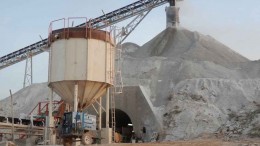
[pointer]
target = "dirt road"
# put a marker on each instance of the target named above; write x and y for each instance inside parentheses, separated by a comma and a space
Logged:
(193, 143)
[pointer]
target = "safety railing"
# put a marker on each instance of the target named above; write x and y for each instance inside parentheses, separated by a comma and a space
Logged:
(73, 18)
(51, 29)
(43, 107)
(64, 32)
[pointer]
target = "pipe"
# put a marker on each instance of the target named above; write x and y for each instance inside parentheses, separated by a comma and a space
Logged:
(75, 107)
(100, 114)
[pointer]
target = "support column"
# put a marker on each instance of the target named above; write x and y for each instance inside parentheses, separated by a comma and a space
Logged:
(28, 74)
(100, 114)
(12, 108)
(75, 107)
(52, 135)
(107, 118)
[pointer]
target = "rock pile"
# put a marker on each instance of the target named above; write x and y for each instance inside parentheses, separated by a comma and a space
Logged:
(200, 85)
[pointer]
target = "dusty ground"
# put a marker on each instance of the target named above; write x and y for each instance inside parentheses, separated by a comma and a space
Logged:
(194, 143)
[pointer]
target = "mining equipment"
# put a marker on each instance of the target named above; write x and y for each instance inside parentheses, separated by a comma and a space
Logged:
(81, 65)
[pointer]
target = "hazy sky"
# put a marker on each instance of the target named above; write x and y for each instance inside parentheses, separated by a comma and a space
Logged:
(236, 23)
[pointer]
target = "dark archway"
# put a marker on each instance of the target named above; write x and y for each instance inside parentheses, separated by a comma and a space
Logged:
(122, 119)
(124, 124)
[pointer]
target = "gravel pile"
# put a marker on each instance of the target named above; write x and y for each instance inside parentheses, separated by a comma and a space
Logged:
(197, 84)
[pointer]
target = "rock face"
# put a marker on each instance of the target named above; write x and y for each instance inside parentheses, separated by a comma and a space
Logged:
(199, 85)
(181, 85)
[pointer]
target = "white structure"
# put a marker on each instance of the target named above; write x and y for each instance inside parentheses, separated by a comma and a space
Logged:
(81, 65)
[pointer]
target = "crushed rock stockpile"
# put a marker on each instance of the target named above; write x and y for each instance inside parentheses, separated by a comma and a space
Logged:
(198, 85)
(25, 100)
(195, 85)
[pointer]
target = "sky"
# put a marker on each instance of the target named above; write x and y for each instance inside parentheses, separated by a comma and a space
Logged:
(235, 23)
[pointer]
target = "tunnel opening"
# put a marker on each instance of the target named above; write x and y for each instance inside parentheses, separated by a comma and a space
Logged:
(124, 125)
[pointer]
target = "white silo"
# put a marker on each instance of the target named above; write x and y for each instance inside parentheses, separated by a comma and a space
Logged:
(81, 64)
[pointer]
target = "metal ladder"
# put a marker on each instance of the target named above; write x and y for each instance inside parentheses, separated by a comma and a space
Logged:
(116, 76)
(111, 93)
(119, 37)
(113, 114)
(112, 102)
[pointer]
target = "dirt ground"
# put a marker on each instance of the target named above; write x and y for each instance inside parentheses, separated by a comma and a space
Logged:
(194, 143)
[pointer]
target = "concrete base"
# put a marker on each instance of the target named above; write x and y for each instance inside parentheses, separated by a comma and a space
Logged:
(105, 138)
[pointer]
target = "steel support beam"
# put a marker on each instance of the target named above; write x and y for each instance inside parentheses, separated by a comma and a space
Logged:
(28, 73)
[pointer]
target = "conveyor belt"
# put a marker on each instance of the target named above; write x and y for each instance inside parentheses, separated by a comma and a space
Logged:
(97, 23)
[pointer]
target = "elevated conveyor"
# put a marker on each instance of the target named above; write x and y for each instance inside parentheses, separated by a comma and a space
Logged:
(101, 22)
